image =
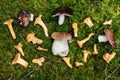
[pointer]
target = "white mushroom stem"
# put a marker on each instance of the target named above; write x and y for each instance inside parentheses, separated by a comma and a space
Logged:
(19, 48)
(19, 60)
(9, 24)
(61, 19)
(39, 21)
(102, 38)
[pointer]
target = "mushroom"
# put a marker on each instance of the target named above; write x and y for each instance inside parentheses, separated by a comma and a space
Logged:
(88, 22)
(102, 38)
(67, 61)
(60, 44)
(74, 26)
(62, 12)
(85, 55)
(40, 48)
(77, 64)
(24, 17)
(19, 60)
(39, 21)
(95, 49)
(110, 36)
(80, 43)
(31, 38)
(39, 61)
(19, 48)
(108, 57)
(108, 22)
(9, 24)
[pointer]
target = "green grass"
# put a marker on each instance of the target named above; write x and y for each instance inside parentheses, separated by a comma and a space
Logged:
(54, 68)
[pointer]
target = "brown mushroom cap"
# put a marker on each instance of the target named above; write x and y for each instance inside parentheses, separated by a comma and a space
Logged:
(61, 36)
(24, 18)
(110, 36)
(62, 10)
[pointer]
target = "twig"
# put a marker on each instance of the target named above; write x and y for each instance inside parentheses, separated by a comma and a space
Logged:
(112, 73)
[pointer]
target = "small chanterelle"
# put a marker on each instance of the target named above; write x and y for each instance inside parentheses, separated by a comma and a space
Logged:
(60, 45)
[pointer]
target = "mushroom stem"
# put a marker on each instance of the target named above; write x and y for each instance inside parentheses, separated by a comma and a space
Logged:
(67, 61)
(9, 24)
(39, 21)
(74, 26)
(85, 55)
(80, 43)
(19, 60)
(19, 48)
(95, 49)
(61, 19)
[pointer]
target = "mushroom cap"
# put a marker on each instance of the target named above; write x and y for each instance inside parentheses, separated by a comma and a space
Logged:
(61, 36)
(110, 36)
(24, 18)
(62, 10)
(16, 59)
(8, 21)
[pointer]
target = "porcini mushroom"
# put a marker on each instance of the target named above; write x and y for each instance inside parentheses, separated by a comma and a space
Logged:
(85, 55)
(62, 12)
(108, 57)
(19, 60)
(67, 61)
(43, 49)
(31, 38)
(39, 61)
(88, 22)
(9, 24)
(110, 36)
(24, 17)
(19, 48)
(80, 43)
(77, 64)
(60, 44)
(74, 26)
(108, 22)
(95, 49)
(39, 21)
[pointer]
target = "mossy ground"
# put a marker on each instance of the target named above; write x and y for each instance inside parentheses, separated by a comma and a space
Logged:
(54, 68)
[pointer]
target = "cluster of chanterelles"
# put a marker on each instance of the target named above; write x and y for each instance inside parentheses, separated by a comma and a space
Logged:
(60, 44)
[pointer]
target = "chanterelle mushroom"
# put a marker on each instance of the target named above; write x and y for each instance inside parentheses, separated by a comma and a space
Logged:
(108, 57)
(60, 44)
(9, 24)
(74, 26)
(108, 22)
(19, 48)
(67, 61)
(95, 49)
(31, 38)
(19, 60)
(24, 17)
(62, 12)
(80, 43)
(77, 64)
(39, 61)
(88, 22)
(85, 55)
(110, 36)
(39, 21)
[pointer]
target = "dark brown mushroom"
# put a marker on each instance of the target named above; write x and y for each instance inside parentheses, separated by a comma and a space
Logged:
(62, 12)
(110, 36)
(24, 18)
